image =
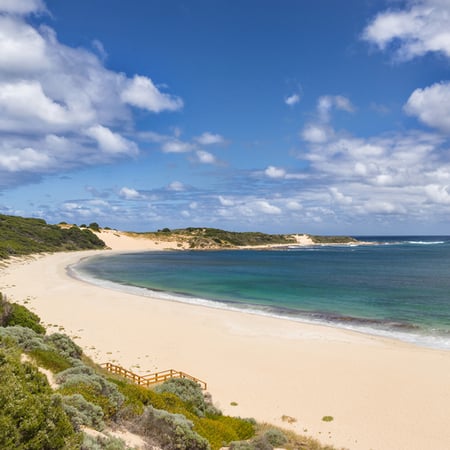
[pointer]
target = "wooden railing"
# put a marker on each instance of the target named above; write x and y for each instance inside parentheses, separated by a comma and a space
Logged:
(151, 378)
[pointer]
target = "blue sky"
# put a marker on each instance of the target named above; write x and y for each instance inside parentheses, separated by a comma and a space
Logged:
(285, 116)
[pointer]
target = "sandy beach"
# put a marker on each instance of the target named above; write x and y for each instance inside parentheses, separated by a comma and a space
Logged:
(382, 394)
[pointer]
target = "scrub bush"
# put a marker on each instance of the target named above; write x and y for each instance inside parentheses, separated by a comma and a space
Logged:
(64, 345)
(81, 412)
(189, 392)
(30, 417)
(169, 431)
(26, 338)
(94, 388)
(275, 437)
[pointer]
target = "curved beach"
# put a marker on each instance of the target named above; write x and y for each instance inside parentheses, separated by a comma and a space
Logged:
(382, 394)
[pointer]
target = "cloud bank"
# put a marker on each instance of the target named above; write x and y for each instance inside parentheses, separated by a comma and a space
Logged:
(60, 107)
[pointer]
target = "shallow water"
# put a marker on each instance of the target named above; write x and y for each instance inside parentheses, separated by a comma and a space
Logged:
(397, 287)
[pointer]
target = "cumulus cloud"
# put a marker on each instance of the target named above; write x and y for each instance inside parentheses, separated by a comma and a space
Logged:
(60, 107)
(224, 201)
(327, 102)
(111, 142)
(265, 207)
(275, 172)
(129, 193)
(431, 106)
(141, 92)
(438, 194)
(319, 131)
(205, 157)
(21, 6)
(176, 146)
(292, 100)
(208, 138)
(316, 133)
(422, 26)
(176, 186)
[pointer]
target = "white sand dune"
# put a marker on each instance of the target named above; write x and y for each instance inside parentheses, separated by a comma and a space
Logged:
(382, 394)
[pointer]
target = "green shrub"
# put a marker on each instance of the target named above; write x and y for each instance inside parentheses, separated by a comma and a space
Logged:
(14, 314)
(26, 338)
(275, 437)
(93, 387)
(191, 394)
(81, 412)
(30, 417)
(94, 226)
(50, 359)
(64, 345)
(217, 429)
(170, 431)
(22, 236)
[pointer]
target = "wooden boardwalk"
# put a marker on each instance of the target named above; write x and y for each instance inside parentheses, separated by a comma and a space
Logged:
(151, 378)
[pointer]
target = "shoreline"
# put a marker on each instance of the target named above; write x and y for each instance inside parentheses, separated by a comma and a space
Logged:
(383, 394)
(346, 323)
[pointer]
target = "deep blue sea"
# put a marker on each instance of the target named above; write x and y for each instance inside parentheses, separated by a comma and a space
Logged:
(397, 287)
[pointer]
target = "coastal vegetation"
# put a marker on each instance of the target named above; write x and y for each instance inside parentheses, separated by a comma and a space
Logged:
(23, 236)
(210, 238)
(84, 405)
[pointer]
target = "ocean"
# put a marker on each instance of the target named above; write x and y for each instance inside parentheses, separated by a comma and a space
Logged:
(396, 287)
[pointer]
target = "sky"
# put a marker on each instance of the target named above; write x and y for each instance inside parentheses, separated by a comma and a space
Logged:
(292, 116)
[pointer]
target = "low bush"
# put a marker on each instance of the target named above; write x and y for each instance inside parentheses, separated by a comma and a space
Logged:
(93, 387)
(169, 431)
(275, 437)
(64, 345)
(12, 314)
(81, 412)
(30, 417)
(190, 393)
(26, 338)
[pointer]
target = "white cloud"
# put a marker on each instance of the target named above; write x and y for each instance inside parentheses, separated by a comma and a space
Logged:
(294, 205)
(205, 157)
(292, 99)
(21, 6)
(318, 131)
(176, 146)
(141, 92)
(265, 207)
(59, 105)
(24, 159)
(176, 186)
(210, 139)
(327, 102)
(422, 27)
(315, 133)
(339, 197)
(275, 172)
(438, 194)
(382, 207)
(111, 142)
(129, 193)
(226, 201)
(431, 106)
(22, 49)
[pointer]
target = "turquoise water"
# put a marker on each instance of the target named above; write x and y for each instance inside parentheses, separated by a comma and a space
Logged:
(396, 287)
